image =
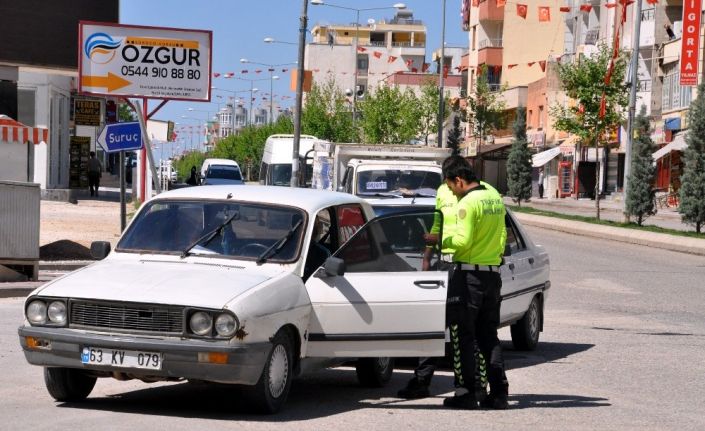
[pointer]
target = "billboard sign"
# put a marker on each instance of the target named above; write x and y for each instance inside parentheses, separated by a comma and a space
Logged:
(690, 42)
(151, 62)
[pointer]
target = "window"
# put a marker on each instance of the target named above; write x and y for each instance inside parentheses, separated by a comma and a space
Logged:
(540, 117)
(25, 107)
(514, 239)
(350, 218)
(363, 62)
(388, 244)
(674, 96)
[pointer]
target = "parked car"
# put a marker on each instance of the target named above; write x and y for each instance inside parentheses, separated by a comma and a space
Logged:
(212, 284)
(222, 175)
(525, 274)
(221, 162)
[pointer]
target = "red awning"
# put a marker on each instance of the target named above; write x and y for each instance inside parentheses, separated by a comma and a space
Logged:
(12, 131)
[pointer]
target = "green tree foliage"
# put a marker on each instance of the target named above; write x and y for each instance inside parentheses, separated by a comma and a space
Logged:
(427, 109)
(584, 82)
(485, 107)
(389, 116)
(247, 147)
(184, 163)
(125, 113)
(454, 134)
(640, 193)
(519, 161)
(692, 191)
(327, 113)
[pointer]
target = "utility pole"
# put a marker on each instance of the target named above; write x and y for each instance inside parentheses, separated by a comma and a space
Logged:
(299, 95)
(632, 104)
(441, 71)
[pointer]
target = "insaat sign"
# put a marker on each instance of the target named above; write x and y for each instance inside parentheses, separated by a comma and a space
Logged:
(690, 43)
(160, 63)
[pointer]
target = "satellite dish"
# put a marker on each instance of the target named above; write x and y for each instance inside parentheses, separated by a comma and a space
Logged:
(371, 21)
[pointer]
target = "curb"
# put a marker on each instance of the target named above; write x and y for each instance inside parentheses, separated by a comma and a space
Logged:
(631, 236)
(63, 265)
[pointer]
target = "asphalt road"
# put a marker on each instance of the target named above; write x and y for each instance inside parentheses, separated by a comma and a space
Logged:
(622, 349)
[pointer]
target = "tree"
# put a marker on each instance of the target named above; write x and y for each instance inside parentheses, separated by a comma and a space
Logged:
(485, 110)
(125, 113)
(519, 161)
(454, 134)
(640, 193)
(692, 191)
(427, 108)
(326, 113)
(593, 118)
(389, 116)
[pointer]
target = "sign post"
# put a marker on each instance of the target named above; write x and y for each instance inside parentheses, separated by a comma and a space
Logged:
(147, 63)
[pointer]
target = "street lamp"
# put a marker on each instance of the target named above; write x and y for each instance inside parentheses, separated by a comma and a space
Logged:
(272, 40)
(272, 77)
(398, 6)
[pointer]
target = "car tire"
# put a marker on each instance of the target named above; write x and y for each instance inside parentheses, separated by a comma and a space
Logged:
(374, 372)
(525, 332)
(270, 393)
(67, 384)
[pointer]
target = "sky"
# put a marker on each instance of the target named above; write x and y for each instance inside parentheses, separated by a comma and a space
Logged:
(239, 27)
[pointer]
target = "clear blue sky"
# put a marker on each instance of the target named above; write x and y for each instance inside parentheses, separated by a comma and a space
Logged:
(239, 27)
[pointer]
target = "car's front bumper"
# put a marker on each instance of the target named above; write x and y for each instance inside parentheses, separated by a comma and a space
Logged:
(61, 347)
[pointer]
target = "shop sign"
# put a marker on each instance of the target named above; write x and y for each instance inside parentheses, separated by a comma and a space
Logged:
(86, 112)
(690, 43)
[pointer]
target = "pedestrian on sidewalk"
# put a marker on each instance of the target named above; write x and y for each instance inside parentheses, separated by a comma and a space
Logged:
(541, 183)
(192, 179)
(95, 171)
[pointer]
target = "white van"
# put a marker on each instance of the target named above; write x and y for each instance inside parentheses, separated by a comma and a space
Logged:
(276, 159)
(224, 162)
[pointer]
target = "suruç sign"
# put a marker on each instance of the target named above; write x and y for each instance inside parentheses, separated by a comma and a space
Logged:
(151, 62)
(690, 43)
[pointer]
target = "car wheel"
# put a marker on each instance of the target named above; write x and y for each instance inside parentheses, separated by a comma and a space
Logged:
(525, 333)
(374, 372)
(67, 384)
(272, 388)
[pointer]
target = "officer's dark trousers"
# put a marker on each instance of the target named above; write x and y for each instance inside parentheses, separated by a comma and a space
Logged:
(473, 311)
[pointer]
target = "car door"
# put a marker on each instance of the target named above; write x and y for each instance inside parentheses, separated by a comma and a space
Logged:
(516, 275)
(383, 304)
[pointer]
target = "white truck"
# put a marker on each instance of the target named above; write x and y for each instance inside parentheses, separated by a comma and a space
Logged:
(378, 171)
(275, 169)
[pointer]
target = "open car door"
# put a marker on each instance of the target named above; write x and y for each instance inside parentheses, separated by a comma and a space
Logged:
(379, 303)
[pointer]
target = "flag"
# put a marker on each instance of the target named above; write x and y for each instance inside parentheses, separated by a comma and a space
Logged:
(531, 63)
(377, 54)
(544, 13)
(270, 70)
(361, 49)
(585, 7)
(652, 1)
(542, 63)
(409, 62)
(603, 106)
(521, 10)
(244, 71)
(258, 71)
(565, 8)
(512, 66)
(391, 59)
(229, 75)
(285, 70)
(501, 3)
(445, 71)
(610, 5)
(216, 74)
(414, 70)
(424, 68)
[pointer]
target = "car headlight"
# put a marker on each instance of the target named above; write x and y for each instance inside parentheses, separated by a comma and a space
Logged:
(37, 312)
(201, 323)
(225, 325)
(57, 312)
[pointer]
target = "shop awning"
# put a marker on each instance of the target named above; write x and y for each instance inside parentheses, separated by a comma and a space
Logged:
(12, 131)
(677, 144)
(544, 157)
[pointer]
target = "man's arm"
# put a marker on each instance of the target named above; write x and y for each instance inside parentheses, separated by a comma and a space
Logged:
(464, 228)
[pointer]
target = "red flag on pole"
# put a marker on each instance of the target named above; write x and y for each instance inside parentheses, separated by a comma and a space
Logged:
(610, 5)
(512, 66)
(542, 63)
(377, 54)
(391, 59)
(258, 71)
(216, 74)
(361, 49)
(585, 7)
(565, 8)
(425, 66)
(521, 10)
(244, 71)
(544, 13)
(652, 1)
(270, 70)
(409, 62)
(285, 70)
(414, 70)
(531, 63)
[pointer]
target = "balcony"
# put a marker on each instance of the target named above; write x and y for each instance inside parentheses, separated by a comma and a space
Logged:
(671, 51)
(490, 43)
(488, 11)
(489, 56)
(514, 97)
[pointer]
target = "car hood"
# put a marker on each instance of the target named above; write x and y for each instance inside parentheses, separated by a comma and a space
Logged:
(157, 282)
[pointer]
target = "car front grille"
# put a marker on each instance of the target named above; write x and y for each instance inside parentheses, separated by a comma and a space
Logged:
(130, 317)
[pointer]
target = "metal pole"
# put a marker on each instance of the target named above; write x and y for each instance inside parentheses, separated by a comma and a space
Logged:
(299, 96)
(632, 105)
(249, 114)
(123, 211)
(271, 94)
(357, 30)
(441, 102)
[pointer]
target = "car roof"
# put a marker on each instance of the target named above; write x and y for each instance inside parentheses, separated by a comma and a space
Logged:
(310, 200)
(220, 162)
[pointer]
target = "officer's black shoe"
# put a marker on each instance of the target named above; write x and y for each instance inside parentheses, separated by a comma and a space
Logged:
(496, 402)
(480, 393)
(465, 402)
(414, 390)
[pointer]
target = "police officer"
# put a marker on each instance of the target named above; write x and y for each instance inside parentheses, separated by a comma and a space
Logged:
(474, 290)
(446, 201)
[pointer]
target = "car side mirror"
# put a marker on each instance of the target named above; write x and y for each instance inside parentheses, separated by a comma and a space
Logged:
(507, 250)
(333, 266)
(100, 249)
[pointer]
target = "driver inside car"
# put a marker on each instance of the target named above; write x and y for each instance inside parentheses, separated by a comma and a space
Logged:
(317, 252)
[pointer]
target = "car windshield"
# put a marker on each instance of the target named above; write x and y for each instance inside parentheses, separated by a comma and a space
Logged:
(281, 174)
(224, 172)
(171, 226)
(383, 210)
(396, 182)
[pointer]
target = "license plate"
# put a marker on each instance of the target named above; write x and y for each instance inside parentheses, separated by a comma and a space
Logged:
(121, 358)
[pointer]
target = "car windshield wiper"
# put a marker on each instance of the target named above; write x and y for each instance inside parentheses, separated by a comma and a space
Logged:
(383, 194)
(277, 246)
(208, 237)
(418, 195)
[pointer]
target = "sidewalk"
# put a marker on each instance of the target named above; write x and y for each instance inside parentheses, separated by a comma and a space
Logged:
(610, 209)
